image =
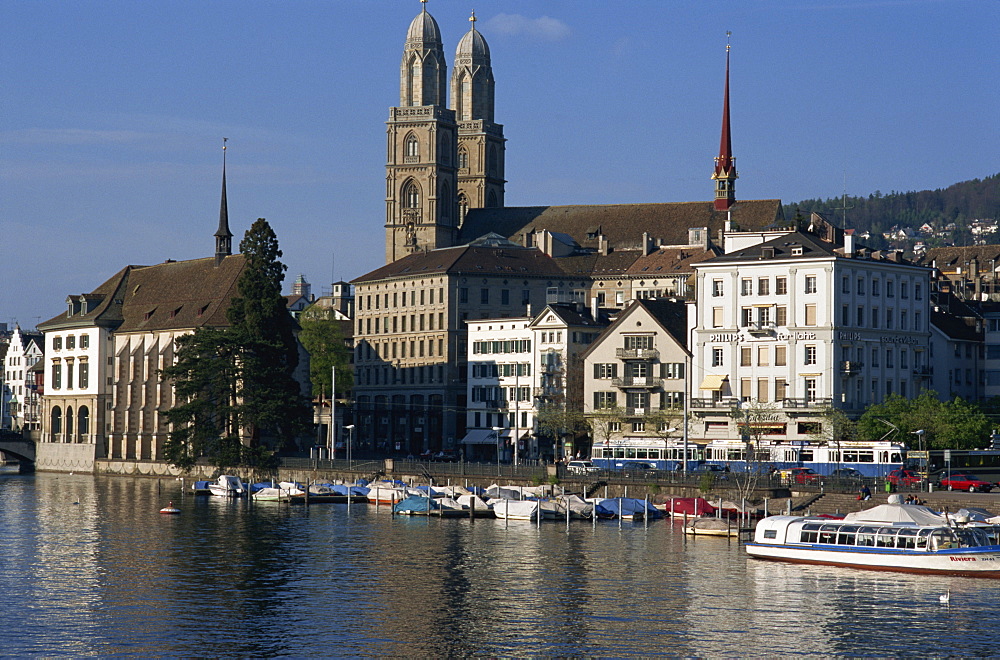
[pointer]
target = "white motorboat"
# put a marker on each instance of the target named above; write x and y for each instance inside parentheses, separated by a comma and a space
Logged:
(937, 548)
(515, 509)
(227, 486)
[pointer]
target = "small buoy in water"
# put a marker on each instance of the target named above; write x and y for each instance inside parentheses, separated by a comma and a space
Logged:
(170, 508)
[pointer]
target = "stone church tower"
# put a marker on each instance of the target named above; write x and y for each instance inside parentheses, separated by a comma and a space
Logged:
(440, 161)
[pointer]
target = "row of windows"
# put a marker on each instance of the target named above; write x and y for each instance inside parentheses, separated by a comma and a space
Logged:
(876, 289)
(501, 346)
(400, 299)
(428, 374)
(83, 376)
(764, 353)
(764, 317)
(493, 370)
(506, 420)
(764, 286)
(57, 342)
(499, 397)
(397, 324)
(398, 350)
(606, 370)
(411, 150)
(604, 400)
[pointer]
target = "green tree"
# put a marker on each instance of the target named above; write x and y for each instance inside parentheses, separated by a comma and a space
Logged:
(323, 338)
(235, 386)
(270, 399)
(955, 424)
(555, 419)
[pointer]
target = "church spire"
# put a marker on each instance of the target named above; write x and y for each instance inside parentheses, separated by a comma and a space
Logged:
(725, 163)
(223, 237)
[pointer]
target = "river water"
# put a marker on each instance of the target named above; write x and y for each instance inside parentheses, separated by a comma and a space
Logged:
(89, 567)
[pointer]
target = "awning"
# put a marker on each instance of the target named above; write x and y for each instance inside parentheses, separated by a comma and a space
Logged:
(481, 437)
(713, 382)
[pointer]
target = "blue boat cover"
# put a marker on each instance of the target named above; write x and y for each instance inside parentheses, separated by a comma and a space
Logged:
(415, 503)
(626, 506)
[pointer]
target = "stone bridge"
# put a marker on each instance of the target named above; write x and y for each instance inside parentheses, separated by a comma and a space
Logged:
(22, 450)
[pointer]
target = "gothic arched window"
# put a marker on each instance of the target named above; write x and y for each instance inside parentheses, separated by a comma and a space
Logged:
(412, 146)
(494, 161)
(491, 200)
(463, 207)
(464, 101)
(411, 196)
(463, 158)
(445, 201)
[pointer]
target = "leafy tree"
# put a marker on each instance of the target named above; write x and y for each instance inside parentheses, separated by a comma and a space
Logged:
(555, 418)
(955, 424)
(235, 385)
(269, 397)
(605, 423)
(323, 338)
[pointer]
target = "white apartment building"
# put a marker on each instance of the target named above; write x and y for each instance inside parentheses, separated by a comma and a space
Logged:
(800, 323)
(515, 367)
(21, 405)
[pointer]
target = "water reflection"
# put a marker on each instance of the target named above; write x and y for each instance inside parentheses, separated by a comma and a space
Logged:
(97, 571)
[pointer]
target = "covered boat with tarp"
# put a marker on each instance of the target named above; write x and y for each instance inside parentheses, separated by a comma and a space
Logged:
(688, 506)
(627, 508)
(415, 505)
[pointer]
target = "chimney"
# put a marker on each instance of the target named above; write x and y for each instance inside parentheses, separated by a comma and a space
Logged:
(647, 244)
(594, 309)
(849, 243)
(602, 246)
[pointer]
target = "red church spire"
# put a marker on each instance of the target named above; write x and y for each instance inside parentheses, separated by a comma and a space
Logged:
(725, 163)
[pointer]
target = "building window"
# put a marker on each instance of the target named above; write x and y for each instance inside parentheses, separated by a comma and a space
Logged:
(781, 316)
(463, 295)
(810, 389)
(716, 357)
(875, 361)
(918, 292)
(57, 343)
(888, 319)
(412, 147)
(904, 290)
(861, 286)
(861, 317)
(890, 289)
(411, 196)
(717, 290)
(845, 315)
(875, 317)
(605, 370)
(845, 284)
(84, 375)
(69, 375)
(746, 316)
(505, 296)
(763, 356)
(463, 158)
(638, 427)
(745, 356)
(56, 376)
(780, 356)
(746, 287)
(604, 400)
(763, 316)
(780, 389)
(781, 286)
(889, 361)
(71, 342)
(810, 284)
(810, 315)
(810, 355)
(763, 286)
(672, 370)
(717, 317)
(876, 287)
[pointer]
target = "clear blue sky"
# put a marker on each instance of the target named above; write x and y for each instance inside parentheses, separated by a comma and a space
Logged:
(113, 113)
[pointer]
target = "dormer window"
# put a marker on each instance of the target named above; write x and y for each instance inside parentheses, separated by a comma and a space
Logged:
(796, 250)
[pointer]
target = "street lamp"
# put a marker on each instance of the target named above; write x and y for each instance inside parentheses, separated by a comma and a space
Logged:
(350, 441)
(496, 432)
(920, 443)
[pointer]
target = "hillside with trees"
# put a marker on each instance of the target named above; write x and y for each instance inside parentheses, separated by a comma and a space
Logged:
(961, 204)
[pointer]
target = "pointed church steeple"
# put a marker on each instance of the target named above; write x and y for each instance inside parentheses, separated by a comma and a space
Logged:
(725, 163)
(423, 72)
(223, 237)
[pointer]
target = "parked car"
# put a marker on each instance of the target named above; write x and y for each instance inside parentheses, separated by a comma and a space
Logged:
(904, 477)
(580, 467)
(967, 482)
(638, 467)
(716, 471)
(847, 473)
(804, 475)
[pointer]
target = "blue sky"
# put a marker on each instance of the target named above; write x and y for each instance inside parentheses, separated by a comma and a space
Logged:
(113, 113)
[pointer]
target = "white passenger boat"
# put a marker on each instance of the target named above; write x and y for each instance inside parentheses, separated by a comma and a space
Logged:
(909, 547)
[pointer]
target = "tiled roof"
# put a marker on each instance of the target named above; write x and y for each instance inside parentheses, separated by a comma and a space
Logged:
(106, 312)
(782, 246)
(621, 224)
(596, 265)
(671, 260)
(469, 260)
(671, 315)
(949, 258)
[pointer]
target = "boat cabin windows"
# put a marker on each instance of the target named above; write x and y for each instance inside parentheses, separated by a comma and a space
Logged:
(901, 538)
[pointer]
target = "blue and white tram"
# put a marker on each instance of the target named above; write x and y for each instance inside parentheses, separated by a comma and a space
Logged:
(872, 459)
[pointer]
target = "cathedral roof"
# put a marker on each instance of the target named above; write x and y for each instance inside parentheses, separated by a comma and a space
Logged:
(469, 259)
(473, 45)
(424, 28)
(622, 225)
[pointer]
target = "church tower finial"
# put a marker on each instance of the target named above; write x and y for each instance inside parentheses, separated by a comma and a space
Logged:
(725, 163)
(223, 237)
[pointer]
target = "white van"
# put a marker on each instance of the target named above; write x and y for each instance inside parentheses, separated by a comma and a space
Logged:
(580, 467)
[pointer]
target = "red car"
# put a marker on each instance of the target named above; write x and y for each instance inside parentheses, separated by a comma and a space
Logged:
(966, 482)
(804, 475)
(904, 478)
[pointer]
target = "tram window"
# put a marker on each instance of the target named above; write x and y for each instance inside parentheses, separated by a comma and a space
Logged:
(641, 453)
(630, 452)
(806, 455)
(850, 456)
(895, 457)
(655, 454)
(619, 452)
(866, 457)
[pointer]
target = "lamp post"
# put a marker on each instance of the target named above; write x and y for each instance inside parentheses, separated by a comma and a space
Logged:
(496, 432)
(350, 441)
(920, 443)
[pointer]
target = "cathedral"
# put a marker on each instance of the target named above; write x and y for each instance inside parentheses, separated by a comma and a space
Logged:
(455, 253)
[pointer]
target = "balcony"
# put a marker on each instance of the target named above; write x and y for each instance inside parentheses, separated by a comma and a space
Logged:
(637, 381)
(637, 354)
(806, 402)
(635, 412)
(923, 370)
(850, 367)
(546, 392)
(761, 329)
(714, 404)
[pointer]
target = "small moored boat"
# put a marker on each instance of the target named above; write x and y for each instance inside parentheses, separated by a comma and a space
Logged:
(227, 486)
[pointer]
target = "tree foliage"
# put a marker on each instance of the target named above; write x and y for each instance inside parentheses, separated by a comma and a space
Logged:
(323, 338)
(955, 424)
(237, 398)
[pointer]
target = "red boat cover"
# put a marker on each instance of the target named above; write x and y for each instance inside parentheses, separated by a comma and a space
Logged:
(692, 506)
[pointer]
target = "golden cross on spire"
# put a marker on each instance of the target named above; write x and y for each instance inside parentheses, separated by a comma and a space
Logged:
(472, 19)
(729, 33)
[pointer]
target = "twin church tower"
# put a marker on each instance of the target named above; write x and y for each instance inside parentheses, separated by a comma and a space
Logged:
(443, 158)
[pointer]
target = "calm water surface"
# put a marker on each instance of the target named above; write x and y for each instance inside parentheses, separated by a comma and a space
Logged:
(89, 567)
